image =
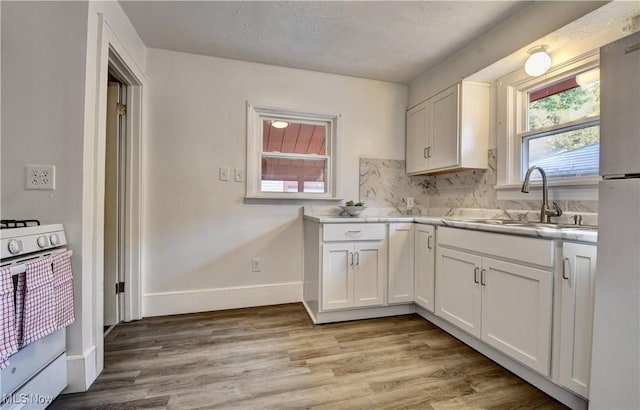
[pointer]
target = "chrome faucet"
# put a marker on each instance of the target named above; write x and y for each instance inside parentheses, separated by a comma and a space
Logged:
(545, 212)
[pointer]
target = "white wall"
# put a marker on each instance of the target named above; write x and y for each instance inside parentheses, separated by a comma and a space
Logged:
(43, 83)
(49, 81)
(199, 234)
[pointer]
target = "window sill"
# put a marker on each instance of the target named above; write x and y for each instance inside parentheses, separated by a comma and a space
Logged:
(293, 199)
(579, 189)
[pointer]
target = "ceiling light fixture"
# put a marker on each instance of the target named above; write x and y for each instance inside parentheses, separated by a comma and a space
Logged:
(538, 62)
(279, 124)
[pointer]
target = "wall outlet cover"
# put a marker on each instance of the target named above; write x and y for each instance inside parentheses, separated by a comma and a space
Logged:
(40, 177)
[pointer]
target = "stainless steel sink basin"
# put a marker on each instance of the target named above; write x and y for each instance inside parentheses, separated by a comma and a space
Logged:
(525, 224)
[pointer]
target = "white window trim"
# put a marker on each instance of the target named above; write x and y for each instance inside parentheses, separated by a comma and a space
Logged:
(255, 114)
(510, 116)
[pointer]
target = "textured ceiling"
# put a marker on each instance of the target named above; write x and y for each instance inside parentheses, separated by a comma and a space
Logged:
(390, 41)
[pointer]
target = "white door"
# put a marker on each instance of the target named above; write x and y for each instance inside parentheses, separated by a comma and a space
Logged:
(424, 251)
(401, 262)
(458, 296)
(113, 223)
(337, 279)
(576, 323)
(369, 270)
(416, 153)
(443, 129)
(516, 312)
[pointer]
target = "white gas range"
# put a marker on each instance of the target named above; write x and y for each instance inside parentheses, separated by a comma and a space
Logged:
(37, 372)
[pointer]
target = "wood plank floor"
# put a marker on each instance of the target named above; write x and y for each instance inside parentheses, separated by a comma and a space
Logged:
(274, 357)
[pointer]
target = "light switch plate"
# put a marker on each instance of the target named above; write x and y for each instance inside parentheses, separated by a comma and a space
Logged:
(40, 177)
(224, 173)
(238, 175)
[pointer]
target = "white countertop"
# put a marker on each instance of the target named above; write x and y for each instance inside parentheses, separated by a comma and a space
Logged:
(567, 234)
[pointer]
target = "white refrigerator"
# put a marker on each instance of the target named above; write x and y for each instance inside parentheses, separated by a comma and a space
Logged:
(615, 364)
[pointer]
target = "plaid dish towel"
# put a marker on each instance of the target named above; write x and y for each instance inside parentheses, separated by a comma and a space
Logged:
(8, 339)
(39, 300)
(63, 290)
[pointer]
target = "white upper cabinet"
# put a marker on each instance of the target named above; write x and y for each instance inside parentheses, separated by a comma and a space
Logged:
(449, 131)
(619, 107)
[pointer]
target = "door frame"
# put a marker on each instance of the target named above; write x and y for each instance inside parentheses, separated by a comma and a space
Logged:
(112, 54)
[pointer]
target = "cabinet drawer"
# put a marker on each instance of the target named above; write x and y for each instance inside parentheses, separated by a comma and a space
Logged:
(353, 232)
(528, 250)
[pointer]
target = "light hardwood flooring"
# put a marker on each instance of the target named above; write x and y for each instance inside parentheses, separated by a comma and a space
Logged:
(274, 357)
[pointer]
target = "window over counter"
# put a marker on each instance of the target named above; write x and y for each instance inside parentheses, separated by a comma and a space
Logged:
(553, 122)
(562, 126)
(290, 155)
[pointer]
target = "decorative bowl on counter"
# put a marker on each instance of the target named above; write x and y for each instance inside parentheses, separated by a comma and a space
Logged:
(353, 210)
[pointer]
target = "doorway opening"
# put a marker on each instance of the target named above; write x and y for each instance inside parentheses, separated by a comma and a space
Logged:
(115, 201)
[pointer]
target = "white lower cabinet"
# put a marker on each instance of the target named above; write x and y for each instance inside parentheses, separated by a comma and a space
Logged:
(353, 274)
(424, 265)
(401, 270)
(505, 304)
(576, 322)
(517, 311)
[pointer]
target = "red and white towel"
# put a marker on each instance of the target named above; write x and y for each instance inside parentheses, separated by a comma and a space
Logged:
(39, 316)
(8, 337)
(63, 289)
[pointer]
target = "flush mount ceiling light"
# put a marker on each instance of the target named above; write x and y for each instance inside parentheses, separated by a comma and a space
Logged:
(279, 124)
(538, 62)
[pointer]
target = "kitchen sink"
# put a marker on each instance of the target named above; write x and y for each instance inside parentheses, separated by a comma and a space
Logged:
(525, 224)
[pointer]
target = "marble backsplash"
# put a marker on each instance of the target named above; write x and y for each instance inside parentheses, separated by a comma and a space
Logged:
(384, 183)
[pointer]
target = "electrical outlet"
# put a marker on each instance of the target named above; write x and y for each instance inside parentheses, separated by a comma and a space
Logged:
(410, 202)
(42, 177)
(256, 265)
(238, 175)
(224, 174)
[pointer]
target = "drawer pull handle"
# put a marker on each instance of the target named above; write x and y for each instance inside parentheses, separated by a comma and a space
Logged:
(475, 275)
(353, 232)
(429, 244)
(483, 277)
(566, 268)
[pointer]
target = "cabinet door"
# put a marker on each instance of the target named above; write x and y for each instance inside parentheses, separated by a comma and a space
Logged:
(443, 129)
(576, 323)
(400, 263)
(337, 279)
(369, 274)
(619, 107)
(424, 251)
(458, 296)
(417, 138)
(516, 312)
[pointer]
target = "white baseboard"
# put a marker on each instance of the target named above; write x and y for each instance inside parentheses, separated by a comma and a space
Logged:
(191, 301)
(81, 371)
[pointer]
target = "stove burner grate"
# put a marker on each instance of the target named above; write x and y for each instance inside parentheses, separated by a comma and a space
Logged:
(18, 223)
